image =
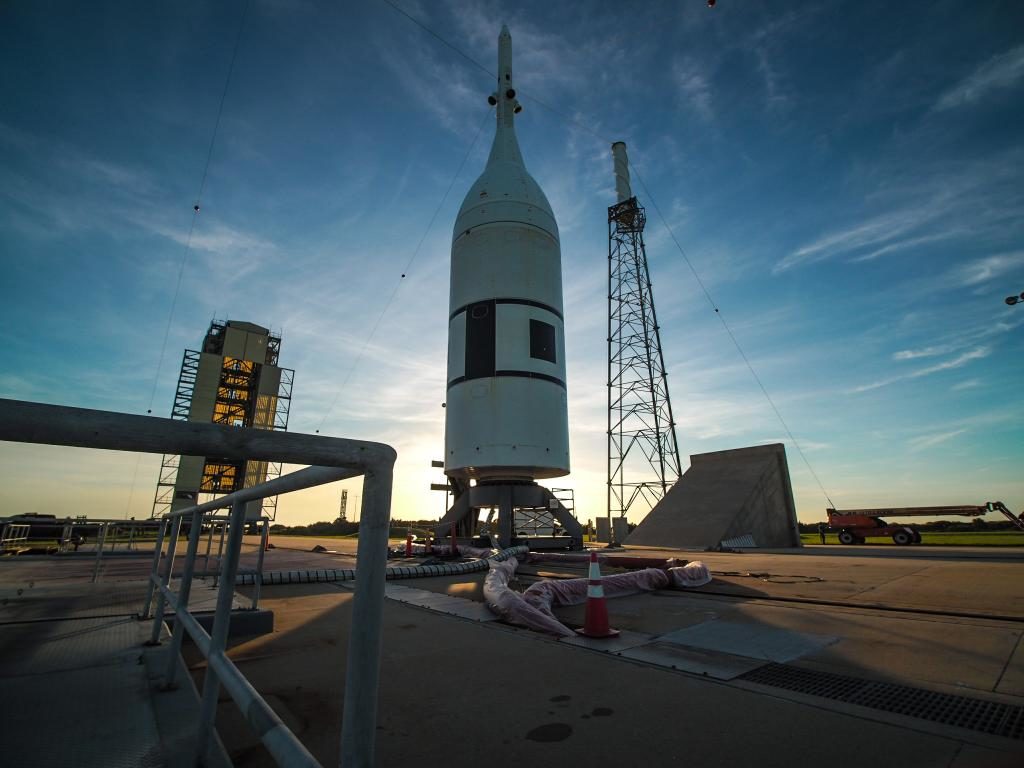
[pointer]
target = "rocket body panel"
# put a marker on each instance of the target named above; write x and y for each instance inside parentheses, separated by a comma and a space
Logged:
(506, 414)
(503, 429)
(506, 261)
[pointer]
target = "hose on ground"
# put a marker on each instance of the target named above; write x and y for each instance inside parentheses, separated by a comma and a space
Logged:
(402, 572)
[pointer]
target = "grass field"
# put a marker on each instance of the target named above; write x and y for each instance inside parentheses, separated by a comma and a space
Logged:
(957, 539)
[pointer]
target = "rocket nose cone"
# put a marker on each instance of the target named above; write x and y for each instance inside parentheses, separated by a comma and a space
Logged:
(504, 31)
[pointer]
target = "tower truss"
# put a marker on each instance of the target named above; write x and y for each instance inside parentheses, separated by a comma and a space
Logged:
(643, 454)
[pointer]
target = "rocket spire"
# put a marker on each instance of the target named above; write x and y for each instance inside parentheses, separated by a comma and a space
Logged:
(505, 147)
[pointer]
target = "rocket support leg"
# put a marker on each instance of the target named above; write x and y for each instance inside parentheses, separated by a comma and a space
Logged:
(506, 518)
(507, 498)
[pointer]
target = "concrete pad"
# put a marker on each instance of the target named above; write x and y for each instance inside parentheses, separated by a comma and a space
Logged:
(42, 647)
(901, 647)
(973, 756)
(1011, 681)
(443, 603)
(175, 713)
(96, 717)
(720, 666)
(749, 640)
(945, 583)
(973, 587)
(615, 644)
(405, 594)
(565, 706)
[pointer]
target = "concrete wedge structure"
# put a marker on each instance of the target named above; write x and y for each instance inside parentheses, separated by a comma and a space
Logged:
(724, 497)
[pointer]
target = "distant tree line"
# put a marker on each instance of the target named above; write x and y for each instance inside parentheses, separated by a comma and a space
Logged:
(399, 528)
(938, 526)
(341, 527)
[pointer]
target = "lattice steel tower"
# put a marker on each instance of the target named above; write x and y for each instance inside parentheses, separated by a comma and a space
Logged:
(643, 455)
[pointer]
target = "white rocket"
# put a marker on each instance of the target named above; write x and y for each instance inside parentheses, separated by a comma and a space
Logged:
(506, 416)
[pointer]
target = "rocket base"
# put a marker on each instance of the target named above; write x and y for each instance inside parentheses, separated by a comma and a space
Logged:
(515, 502)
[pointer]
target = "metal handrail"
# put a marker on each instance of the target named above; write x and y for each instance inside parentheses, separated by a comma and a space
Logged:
(14, 533)
(333, 459)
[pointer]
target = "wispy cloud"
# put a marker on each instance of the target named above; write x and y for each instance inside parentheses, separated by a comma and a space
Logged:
(968, 384)
(957, 362)
(1001, 71)
(972, 337)
(691, 78)
(927, 441)
(903, 245)
(872, 232)
(984, 269)
(775, 96)
(974, 200)
(216, 238)
(914, 354)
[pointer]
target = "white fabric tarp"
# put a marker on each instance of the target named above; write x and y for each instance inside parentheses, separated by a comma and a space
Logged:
(534, 607)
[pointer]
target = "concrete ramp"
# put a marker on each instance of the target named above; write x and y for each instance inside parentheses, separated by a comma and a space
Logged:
(742, 497)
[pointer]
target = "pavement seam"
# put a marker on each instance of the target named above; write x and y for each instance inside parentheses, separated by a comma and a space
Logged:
(959, 749)
(890, 581)
(128, 615)
(842, 605)
(1006, 666)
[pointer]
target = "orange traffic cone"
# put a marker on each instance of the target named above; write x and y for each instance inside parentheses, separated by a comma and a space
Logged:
(595, 622)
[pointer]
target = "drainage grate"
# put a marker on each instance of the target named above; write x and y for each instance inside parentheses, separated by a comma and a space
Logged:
(998, 719)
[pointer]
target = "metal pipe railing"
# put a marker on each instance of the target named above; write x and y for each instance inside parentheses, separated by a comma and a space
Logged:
(264, 538)
(101, 538)
(172, 544)
(332, 459)
(219, 636)
(181, 602)
(156, 565)
(13, 534)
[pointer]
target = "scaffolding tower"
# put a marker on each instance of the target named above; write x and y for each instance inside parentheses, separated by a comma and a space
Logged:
(643, 454)
(234, 380)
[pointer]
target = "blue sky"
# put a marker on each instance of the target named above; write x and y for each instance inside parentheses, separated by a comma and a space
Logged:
(845, 177)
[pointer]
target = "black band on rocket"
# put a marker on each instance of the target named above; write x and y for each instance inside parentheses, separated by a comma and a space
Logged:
(516, 374)
(525, 302)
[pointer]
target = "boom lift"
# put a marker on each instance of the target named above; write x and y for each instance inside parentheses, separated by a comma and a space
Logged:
(855, 525)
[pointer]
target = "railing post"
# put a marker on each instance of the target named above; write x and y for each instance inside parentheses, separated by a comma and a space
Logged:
(220, 551)
(101, 539)
(221, 624)
(182, 600)
(155, 574)
(359, 717)
(158, 614)
(209, 543)
(258, 580)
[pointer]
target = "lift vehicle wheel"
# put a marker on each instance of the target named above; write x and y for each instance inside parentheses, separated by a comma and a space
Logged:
(845, 537)
(902, 538)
